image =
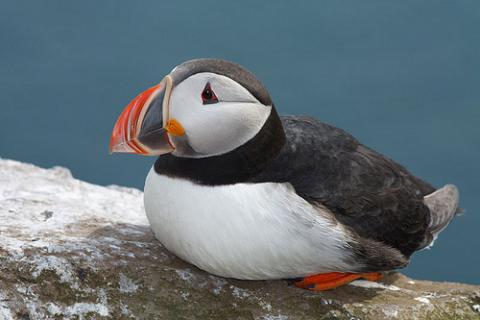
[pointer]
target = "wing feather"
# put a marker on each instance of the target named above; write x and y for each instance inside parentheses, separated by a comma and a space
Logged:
(373, 195)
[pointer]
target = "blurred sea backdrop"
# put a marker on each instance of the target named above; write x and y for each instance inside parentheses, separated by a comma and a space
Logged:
(401, 76)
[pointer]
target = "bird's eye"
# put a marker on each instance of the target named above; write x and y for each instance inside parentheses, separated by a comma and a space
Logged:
(208, 96)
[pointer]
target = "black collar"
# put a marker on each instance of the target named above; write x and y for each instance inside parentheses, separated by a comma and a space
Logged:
(236, 166)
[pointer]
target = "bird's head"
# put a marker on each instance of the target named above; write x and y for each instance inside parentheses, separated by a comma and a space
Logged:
(203, 108)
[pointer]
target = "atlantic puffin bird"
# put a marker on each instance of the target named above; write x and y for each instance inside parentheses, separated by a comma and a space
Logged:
(243, 193)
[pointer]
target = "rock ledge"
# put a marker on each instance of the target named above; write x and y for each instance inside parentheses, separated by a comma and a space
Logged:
(73, 250)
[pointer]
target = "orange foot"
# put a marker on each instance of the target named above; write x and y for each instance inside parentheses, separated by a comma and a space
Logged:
(332, 280)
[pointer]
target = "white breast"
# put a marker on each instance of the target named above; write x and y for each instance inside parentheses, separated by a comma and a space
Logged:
(244, 231)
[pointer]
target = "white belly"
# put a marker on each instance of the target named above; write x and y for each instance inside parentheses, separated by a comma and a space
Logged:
(244, 231)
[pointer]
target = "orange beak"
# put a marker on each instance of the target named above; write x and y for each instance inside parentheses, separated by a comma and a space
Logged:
(144, 125)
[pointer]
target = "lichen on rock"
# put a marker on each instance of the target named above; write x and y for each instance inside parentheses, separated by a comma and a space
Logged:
(73, 250)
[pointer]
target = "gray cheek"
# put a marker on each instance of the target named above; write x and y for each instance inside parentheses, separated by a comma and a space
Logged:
(183, 148)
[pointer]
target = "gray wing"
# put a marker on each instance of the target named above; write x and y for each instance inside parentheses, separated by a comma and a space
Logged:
(376, 197)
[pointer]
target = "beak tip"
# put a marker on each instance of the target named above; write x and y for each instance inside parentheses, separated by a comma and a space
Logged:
(111, 145)
(127, 135)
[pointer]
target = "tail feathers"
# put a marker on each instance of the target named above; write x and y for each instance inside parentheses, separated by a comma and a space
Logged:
(443, 205)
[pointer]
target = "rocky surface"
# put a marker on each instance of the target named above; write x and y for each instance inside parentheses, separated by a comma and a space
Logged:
(73, 250)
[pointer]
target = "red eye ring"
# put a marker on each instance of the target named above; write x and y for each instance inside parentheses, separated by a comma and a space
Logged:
(208, 96)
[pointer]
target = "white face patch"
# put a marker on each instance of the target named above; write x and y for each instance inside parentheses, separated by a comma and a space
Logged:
(213, 129)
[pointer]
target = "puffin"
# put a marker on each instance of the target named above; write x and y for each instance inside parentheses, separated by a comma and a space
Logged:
(244, 193)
